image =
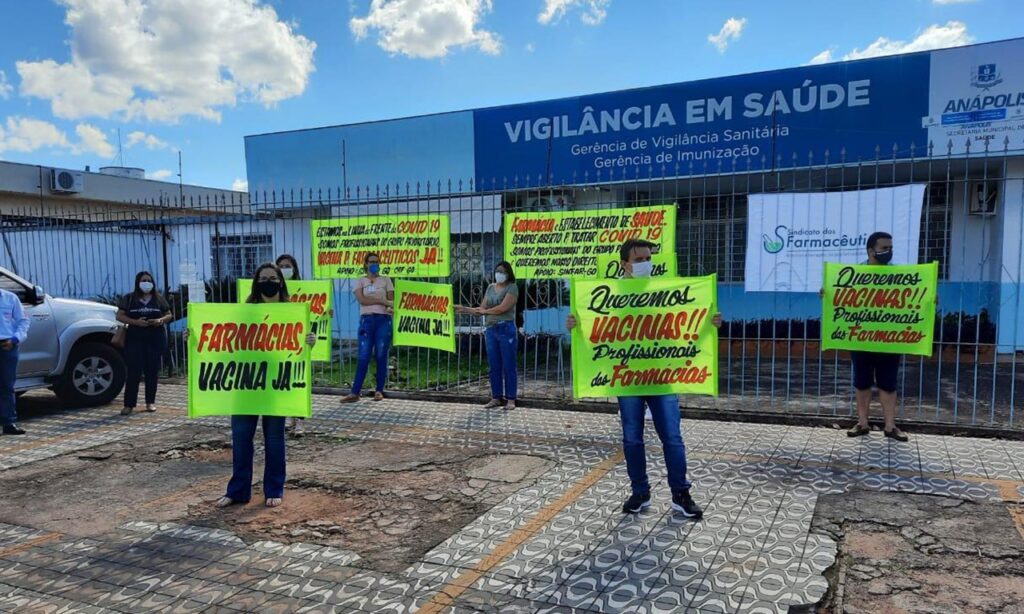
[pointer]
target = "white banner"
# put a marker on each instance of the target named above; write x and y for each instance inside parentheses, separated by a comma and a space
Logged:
(791, 236)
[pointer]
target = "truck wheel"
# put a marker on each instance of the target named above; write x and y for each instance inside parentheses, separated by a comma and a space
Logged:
(94, 375)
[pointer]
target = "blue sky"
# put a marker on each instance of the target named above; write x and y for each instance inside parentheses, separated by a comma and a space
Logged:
(199, 75)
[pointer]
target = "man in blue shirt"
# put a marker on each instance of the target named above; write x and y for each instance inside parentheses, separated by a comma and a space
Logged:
(13, 331)
(635, 255)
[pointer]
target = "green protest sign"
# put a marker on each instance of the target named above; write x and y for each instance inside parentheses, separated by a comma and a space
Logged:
(636, 337)
(424, 315)
(609, 266)
(248, 360)
(408, 246)
(319, 295)
(569, 244)
(873, 308)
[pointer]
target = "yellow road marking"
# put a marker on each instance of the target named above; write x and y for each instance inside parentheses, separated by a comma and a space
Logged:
(447, 595)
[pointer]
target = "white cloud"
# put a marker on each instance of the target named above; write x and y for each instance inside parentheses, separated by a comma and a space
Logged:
(953, 34)
(530, 47)
(161, 60)
(159, 175)
(240, 185)
(592, 12)
(25, 134)
(151, 142)
(822, 58)
(92, 140)
(5, 87)
(427, 28)
(731, 31)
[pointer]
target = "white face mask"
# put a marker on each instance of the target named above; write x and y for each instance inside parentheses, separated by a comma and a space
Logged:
(642, 269)
(287, 271)
(146, 286)
(500, 278)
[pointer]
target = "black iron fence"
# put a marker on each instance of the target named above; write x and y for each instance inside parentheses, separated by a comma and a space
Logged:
(770, 355)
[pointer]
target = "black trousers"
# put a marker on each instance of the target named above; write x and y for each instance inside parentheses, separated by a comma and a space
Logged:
(142, 355)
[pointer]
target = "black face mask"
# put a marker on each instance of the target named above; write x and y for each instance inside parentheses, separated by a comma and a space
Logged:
(269, 288)
(884, 257)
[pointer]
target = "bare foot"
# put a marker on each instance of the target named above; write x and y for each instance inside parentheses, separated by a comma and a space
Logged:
(378, 396)
(225, 502)
(510, 405)
(274, 502)
(493, 403)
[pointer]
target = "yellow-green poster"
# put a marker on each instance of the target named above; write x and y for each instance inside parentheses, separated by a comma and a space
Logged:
(248, 360)
(609, 266)
(874, 308)
(319, 295)
(408, 246)
(424, 315)
(636, 337)
(569, 244)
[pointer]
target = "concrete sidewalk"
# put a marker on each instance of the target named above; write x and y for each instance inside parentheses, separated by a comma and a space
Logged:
(549, 539)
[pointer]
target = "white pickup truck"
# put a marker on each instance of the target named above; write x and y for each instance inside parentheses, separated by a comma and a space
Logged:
(68, 347)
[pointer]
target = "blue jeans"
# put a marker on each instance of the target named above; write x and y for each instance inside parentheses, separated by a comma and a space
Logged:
(665, 412)
(243, 430)
(502, 341)
(375, 339)
(8, 375)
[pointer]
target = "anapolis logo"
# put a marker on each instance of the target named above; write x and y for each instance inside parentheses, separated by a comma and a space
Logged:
(774, 246)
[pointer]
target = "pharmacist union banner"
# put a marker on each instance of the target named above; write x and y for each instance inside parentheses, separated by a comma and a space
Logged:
(791, 236)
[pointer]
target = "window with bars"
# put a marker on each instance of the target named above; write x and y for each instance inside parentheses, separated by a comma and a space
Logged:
(935, 227)
(711, 236)
(237, 256)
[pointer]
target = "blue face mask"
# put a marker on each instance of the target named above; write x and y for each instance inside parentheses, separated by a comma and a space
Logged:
(374, 268)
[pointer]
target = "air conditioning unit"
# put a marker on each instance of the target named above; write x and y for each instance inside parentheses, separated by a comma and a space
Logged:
(66, 182)
(554, 201)
(984, 195)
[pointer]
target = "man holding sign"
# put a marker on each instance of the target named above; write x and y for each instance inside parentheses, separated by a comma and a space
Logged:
(878, 312)
(636, 255)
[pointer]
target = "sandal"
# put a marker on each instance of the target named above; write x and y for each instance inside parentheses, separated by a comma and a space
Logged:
(896, 434)
(493, 403)
(857, 430)
(349, 398)
(226, 502)
(274, 502)
(510, 405)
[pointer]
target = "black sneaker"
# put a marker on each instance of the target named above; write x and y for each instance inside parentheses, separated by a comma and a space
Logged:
(683, 502)
(635, 503)
(13, 429)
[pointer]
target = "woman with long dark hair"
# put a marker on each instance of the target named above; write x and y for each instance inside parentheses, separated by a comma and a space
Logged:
(498, 308)
(289, 267)
(268, 286)
(145, 313)
(290, 272)
(375, 294)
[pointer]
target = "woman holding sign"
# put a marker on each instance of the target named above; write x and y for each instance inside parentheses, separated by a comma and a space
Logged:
(498, 308)
(376, 295)
(145, 313)
(268, 286)
(290, 272)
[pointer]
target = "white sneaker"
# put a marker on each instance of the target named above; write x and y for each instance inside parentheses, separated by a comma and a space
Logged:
(150, 407)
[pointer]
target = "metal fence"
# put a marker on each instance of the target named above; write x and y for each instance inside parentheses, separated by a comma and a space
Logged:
(770, 359)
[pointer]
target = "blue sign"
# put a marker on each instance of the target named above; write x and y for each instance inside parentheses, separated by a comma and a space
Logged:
(757, 121)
